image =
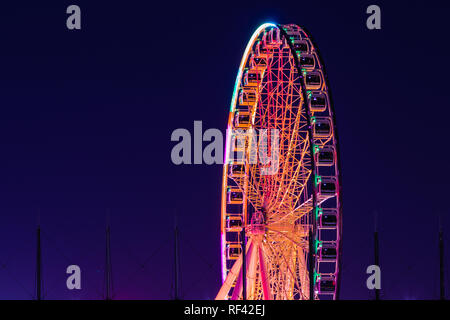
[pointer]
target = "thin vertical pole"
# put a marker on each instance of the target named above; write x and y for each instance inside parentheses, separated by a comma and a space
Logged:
(176, 267)
(244, 265)
(441, 262)
(108, 269)
(376, 252)
(311, 265)
(38, 264)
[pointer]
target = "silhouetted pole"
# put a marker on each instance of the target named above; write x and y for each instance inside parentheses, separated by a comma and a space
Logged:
(441, 262)
(244, 265)
(311, 265)
(377, 253)
(108, 269)
(38, 263)
(176, 267)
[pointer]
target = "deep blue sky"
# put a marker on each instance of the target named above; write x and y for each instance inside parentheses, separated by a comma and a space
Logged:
(86, 118)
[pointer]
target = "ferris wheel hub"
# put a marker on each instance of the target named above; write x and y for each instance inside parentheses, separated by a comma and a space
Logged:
(257, 229)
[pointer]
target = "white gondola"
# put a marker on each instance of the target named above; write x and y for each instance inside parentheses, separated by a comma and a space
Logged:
(313, 80)
(237, 170)
(318, 101)
(328, 218)
(272, 38)
(258, 62)
(327, 186)
(322, 127)
(301, 46)
(235, 196)
(234, 222)
(327, 252)
(247, 96)
(242, 119)
(233, 251)
(325, 157)
(252, 78)
(327, 285)
(307, 61)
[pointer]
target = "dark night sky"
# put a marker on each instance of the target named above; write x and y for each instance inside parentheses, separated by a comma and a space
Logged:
(86, 118)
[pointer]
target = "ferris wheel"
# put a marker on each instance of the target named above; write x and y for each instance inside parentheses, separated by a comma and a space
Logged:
(281, 228)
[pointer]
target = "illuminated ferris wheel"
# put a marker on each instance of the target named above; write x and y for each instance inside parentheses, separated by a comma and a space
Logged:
(281, 193)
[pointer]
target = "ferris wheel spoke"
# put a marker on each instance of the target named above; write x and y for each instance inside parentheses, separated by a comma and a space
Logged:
(298, 212)
(296, 194)
(297, 243)
(290, 153)
(304, 276)
(288, 279)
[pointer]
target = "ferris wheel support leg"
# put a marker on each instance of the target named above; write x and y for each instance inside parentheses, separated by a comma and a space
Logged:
(263, 270)
(251, 275)
(237, 292)
(231, 277)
